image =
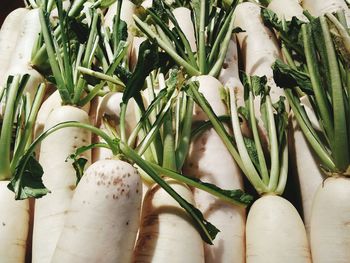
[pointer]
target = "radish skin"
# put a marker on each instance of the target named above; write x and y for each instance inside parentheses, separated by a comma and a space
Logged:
(330, 221)
(8, 37)
(258, 45)
(201, 162)
(110, 105)
(287, 9)
(14, 225)
(21, 56)
(59, 177)
(166, 232)
(53, 102)
(275, 232)
(307, 170)
(229, 72)
(134, 52)
(183, 17)
(317, 7)
(103, 218)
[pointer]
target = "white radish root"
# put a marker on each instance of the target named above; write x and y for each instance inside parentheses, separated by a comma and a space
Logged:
(21, 55)
(167, 234)
(103, 218)
(8, 37)
(330, 221)
(14, 225)
(275, 232)
(305, 167)
(321, 7)
(287, 9)
(59, 177)
(207, 153)
(258, 45)
(183, 18)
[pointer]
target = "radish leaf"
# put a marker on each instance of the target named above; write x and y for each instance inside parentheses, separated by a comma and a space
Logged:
(27, 180)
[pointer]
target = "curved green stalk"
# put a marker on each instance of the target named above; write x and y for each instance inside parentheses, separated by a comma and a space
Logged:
(340, 143)
(321, 151)
(260, 152)
(275, 162)
(201, 43)
(29, 124)
(198, 184)
(250, 170)
(6, 131)
(148, 31)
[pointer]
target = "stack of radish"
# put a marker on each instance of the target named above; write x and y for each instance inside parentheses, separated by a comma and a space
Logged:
(136, 126)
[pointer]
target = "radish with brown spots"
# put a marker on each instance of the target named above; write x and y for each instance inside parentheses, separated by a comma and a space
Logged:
(102, 221)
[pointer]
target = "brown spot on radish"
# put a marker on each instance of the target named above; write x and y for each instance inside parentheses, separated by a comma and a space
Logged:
(3, 224)
(127, 223)
(224, 65)
(72, 187)
(137, 191)
(116, 181)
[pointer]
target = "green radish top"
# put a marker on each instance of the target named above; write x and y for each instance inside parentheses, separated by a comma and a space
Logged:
(72, 45)
(266, 169)
(17, 131)
(316, 81)
(213, 26)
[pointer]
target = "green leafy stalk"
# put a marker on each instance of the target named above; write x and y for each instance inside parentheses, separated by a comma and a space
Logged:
(148, 31)
(185, 137)
(201, 41)
(206, 229)
(169, 160)
(249, 168)
(14, 90)
(56, 70)
(319, 91)
(235, 197)
(28, 126)
(341, 142)
(254, 128)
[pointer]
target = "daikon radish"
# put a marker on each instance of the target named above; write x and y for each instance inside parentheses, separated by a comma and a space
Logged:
(102, 221)
(330, 232)
(275, 232)
(21, 56)
(267, 217)
(287, 9)
(8, 37)
(259, 47)
(202, 163)
(59, 177)
(126, 13)
(14, 225)
(52, 102)
(166, 232)
(317, 8)
(306, 167)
